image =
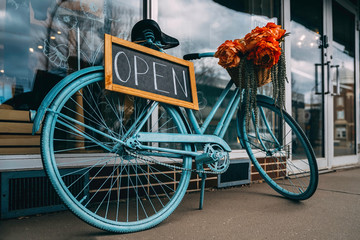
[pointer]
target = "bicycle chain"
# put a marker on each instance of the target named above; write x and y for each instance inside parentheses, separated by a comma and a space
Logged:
(174, 167)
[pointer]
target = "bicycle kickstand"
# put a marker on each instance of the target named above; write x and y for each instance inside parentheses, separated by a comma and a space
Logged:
(202, 190)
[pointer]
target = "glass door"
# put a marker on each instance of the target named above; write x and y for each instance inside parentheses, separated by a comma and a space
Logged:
(308, 43)
(323, 60)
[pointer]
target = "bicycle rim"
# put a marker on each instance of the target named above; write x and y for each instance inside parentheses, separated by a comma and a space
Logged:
(280, 152)
(117, 190)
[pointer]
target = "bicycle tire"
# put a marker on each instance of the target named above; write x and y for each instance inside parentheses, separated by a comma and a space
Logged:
(114, 191)
(287, 163)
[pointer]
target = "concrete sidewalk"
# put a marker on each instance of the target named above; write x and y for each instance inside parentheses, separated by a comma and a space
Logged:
(255, 212)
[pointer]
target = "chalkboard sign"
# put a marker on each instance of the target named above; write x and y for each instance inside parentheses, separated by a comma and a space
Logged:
(143, 72)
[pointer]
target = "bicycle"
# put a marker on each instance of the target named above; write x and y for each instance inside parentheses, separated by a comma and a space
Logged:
(140, 154)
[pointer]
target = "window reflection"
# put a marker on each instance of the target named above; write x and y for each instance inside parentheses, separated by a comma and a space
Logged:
(343, 81)
(306, 78)
(201, 26)
(41, 41)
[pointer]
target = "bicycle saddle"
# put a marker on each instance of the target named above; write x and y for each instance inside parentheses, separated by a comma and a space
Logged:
(137, 33)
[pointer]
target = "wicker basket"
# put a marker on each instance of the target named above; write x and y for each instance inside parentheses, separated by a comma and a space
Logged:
(263, 76)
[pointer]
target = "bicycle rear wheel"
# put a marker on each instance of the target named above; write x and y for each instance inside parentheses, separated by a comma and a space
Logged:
(107, 185)
(280, 151)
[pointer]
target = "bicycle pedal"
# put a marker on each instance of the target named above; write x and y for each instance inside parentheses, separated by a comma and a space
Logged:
(204, 158)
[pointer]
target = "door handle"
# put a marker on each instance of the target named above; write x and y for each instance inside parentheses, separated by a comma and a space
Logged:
(337, 92)
(328, 77)
(317, 92)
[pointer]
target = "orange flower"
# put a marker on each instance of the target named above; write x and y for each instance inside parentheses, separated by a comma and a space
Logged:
(276, 30)
(241, 45)
(228, 53)
(261, 45)
(266, 53)
(256, 35)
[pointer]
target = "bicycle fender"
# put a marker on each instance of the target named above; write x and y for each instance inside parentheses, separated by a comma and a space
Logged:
(90, 72)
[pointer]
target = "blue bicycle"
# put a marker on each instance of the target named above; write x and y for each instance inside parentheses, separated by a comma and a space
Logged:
(123, 163)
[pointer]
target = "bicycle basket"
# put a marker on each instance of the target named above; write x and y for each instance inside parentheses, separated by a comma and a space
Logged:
(263, 76)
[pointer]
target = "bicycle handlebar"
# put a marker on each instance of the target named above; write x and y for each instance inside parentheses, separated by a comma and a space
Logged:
(193, 56)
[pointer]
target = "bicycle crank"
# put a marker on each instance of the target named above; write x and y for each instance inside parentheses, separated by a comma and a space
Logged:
(214, 157)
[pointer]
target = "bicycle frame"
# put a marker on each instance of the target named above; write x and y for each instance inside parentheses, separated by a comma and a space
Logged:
(226, 118)
(198, 136)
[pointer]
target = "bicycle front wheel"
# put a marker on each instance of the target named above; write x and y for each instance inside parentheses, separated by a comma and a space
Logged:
(107, 185)
(280, 151)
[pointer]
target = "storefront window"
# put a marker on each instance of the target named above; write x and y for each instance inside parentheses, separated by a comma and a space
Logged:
(201, 26)
(42, 41)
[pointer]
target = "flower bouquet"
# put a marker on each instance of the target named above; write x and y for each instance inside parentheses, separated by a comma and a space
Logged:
(256, 60)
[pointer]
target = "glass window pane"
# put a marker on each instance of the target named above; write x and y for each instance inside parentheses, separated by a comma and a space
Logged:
(41, 41)
(343, 79)
(201, 26)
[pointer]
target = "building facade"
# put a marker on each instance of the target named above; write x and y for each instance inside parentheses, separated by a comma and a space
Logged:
(42, 41)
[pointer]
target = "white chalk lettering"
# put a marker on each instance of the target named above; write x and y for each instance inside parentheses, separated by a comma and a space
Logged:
(116, 66)
(136, 68)
(176, 79)
(157, 75)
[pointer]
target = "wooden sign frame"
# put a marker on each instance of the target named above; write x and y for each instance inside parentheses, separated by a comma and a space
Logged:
(110, 85)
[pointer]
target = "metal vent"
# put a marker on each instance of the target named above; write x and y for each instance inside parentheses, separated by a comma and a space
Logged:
(237, 174)
(30, 192)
